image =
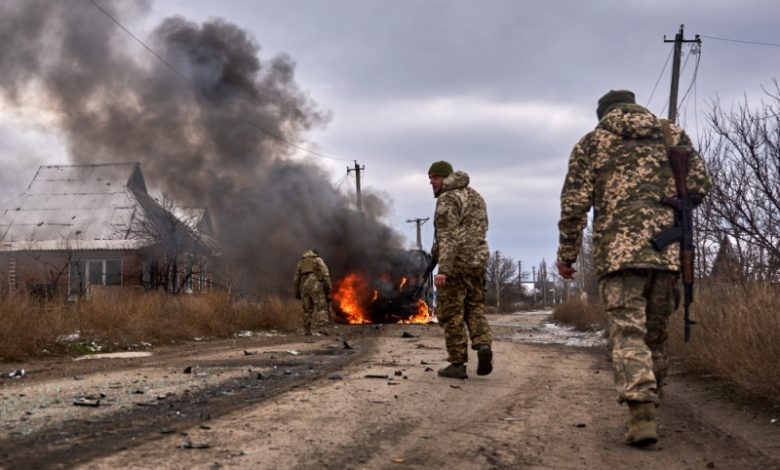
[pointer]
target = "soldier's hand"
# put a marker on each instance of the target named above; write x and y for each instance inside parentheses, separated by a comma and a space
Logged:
(439, 280)
(565, 270)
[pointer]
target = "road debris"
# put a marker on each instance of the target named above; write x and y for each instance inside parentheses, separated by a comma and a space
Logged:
(188, 444)
(17, 374)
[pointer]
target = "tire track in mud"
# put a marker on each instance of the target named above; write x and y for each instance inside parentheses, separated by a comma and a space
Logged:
(76, 441)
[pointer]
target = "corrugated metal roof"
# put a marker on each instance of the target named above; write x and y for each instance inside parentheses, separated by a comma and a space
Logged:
(78, 207)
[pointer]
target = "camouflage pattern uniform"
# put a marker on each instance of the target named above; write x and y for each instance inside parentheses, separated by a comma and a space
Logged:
(621, 170)
(459, 246)
(312, 285)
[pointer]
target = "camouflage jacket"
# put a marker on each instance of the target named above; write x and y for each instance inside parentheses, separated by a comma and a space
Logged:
(621, 170)
(460, 225)
(311, 264)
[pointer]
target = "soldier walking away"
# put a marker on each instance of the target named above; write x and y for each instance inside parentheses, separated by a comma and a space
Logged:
(461, 251)
(621, 170)
(312, 285)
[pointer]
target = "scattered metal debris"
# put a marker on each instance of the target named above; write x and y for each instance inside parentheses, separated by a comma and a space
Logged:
(17, 374)
(188, 444)
(89, 400)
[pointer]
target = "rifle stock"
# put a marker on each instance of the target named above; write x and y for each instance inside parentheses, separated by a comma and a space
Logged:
(682, 232)
(427, 274)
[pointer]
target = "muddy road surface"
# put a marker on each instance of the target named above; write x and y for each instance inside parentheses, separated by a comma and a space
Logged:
(364, 397)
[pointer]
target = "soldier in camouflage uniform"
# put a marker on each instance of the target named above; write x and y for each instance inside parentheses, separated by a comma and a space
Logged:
(461, 251)
(312, 285)
(621, 170)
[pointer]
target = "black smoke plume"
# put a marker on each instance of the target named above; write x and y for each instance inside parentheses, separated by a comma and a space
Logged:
(209, 140)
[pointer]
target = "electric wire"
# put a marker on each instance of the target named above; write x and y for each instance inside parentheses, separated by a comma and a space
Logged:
(695, 72)
(660, 75)
(195, 86)
(756, 43)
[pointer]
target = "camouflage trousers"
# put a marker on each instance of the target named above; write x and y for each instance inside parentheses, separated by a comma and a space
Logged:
(639, 303)
(460, 306)
(315, 304)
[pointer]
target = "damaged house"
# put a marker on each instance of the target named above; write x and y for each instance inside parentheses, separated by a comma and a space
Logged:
(84, 228)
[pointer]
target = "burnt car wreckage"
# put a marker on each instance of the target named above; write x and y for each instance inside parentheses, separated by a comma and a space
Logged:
(401, 292)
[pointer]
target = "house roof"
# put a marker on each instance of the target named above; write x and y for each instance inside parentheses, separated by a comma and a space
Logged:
(84, 207)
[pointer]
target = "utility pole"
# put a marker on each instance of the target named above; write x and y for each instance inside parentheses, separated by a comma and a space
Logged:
(496, 280)
(419, 223)
(678, 41)
(357, 169)
(533, 287)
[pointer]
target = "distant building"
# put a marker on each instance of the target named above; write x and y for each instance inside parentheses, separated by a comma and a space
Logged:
(82, 228)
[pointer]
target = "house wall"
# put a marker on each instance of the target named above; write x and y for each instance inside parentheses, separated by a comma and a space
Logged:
(45, 273)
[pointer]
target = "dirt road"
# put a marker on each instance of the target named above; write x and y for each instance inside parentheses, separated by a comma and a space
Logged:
(367, 400)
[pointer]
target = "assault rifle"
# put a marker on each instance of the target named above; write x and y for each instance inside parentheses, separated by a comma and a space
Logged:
(682, 231)
(426, 275)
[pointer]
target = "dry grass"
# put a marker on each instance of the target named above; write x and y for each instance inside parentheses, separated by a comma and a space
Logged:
(737, 337)
(584, 316)
(126, 319)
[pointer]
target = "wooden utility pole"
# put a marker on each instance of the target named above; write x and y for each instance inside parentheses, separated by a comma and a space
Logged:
(496, 266)
(419, 223)
(533, 270)
(357, 169)
(678, 41)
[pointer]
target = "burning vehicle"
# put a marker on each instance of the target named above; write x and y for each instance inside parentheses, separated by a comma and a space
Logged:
(401, 292)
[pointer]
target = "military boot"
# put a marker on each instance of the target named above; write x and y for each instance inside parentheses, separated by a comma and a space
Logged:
(642, 429)
(485, 360)
(454, 371)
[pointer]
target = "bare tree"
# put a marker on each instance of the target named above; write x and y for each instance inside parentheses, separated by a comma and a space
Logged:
(501, 271)
(174, 259)
(744, 159)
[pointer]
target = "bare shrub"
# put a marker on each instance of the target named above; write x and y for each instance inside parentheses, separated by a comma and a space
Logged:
(583, 315)
(737, 336)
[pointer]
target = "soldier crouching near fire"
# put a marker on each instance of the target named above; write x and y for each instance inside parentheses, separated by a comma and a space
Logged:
(312, 285)
(461, 251)
(621, 170)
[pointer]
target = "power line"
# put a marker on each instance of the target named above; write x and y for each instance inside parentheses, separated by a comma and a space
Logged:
(652, 93)
(695, 49)
(741, 41)
(195, 86)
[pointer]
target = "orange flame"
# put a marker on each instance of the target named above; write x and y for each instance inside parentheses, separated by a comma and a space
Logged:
(347, 296)
(403, 283)
(422, 316)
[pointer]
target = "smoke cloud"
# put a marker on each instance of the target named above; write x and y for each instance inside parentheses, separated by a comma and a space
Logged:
(206, 143)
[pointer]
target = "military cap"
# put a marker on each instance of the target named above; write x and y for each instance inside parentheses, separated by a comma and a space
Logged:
(612, 98)
(440, 168)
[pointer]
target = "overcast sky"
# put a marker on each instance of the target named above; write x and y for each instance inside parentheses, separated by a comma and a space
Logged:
(501, 89)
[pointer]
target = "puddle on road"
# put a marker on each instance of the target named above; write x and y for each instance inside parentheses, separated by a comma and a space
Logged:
(528, 330)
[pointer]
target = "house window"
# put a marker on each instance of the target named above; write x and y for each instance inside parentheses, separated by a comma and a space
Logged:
(104, 272)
